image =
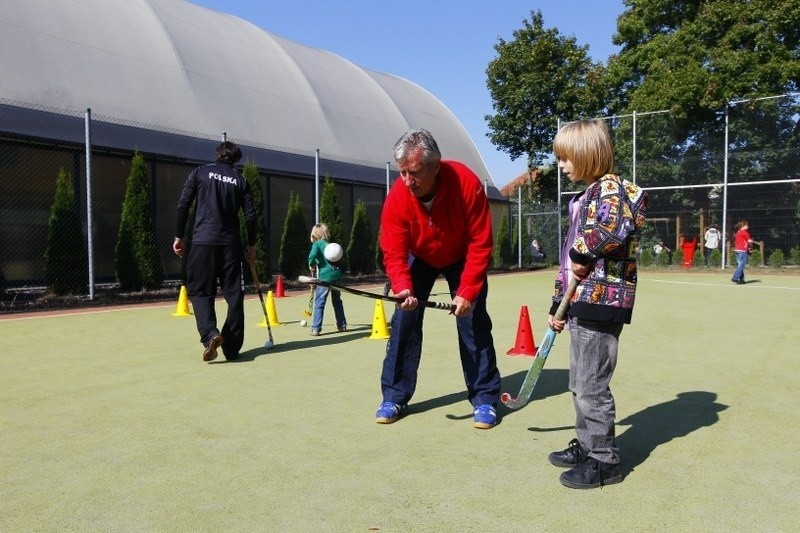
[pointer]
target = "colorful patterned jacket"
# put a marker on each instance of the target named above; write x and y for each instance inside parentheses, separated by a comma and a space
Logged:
(612, 211)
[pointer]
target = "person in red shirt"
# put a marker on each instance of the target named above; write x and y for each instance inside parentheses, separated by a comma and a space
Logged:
(741, 247)
(436, 220)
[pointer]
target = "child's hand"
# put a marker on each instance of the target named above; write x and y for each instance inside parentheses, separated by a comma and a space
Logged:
(581, 271)
(557, 325)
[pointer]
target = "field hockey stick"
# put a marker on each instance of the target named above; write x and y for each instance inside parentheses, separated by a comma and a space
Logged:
(529, 383)
(308, 312)
(316, 281)
(270, 342)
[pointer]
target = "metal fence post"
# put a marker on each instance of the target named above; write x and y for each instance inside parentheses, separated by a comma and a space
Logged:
(89, 218)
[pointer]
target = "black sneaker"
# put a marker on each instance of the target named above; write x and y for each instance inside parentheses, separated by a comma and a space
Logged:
(210, 351)
(568, 458)
(591, 474)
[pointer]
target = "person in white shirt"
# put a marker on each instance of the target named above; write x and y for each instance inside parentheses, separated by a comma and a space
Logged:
(712, 238)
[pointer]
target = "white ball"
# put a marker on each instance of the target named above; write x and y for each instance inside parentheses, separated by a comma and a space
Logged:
(303, 323)
(333, 252)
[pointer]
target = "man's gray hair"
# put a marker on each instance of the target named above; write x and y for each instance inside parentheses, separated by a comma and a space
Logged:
(414, 140)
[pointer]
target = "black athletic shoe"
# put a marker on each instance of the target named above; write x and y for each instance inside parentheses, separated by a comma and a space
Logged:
(210, 351)
(568, 458)
(591, 474)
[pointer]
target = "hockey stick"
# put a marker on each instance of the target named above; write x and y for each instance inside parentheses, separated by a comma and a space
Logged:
(386, 298)
(309, 311)
(270, 342)
(529, 383)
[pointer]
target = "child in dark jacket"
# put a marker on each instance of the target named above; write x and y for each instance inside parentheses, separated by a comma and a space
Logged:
(600, 251)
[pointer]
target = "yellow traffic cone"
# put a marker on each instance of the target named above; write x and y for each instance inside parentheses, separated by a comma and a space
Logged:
(183, 303)
(379, 329)
(272, 311)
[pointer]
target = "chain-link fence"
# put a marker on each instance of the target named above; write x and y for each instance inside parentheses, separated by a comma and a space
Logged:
(38, 144)
(744, 168)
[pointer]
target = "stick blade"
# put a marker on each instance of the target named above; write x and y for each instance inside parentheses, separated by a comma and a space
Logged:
(512, 403)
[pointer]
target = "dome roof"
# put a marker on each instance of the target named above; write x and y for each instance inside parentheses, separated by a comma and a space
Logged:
(178, 66)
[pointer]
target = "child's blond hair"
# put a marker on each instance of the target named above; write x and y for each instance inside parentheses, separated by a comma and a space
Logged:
(320, 232)
(587, 144)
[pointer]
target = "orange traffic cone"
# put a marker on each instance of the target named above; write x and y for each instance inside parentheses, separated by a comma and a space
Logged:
(183, 303)
(379, 329)
(279, 293)
(525, 344)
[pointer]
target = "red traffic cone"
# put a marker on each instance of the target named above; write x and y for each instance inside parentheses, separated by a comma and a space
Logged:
(525, 344)
(279, 288)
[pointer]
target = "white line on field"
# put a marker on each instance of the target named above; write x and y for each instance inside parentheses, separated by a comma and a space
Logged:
(753, 284)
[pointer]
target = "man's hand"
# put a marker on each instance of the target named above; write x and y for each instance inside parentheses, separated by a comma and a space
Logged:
(463, 306)
(178, 247)
(409, 303)
(250, 254)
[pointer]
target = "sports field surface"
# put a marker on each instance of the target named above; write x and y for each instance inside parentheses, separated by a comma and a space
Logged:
(111, 421)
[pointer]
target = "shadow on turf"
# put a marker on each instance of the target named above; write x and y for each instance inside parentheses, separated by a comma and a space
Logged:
(551, 383)
(659, 424)
(325, 339)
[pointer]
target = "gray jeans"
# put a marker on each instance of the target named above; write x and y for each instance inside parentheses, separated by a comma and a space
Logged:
(593, 358)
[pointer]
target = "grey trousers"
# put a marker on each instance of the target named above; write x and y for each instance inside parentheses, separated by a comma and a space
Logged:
(593, 358)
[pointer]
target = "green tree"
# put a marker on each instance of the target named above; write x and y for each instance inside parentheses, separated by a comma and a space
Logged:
(794, 256)
(715, 258)
(292, 258)
(695, 56)
(502, 244)
(777, 259)
(329, 211)
(360, 252)
(250, 172)
(646, 258)
(708, 63)
(677, 257)
(66, 270)
(138, 261)
(698, 259)
(535, 79)
(330, 214)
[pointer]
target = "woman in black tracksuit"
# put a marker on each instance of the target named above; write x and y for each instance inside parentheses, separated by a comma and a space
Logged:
(216, 251)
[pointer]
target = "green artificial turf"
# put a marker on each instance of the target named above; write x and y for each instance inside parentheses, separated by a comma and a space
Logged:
(112, 422)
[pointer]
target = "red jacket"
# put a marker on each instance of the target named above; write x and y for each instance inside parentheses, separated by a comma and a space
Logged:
(459, 226)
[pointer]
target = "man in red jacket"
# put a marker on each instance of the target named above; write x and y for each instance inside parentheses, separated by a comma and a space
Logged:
(436, 220)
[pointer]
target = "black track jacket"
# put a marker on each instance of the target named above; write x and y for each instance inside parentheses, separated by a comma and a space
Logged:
(221, 191)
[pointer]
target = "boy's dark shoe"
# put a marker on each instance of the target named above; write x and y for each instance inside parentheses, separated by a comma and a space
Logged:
(570, 457)
(591, 474)
(210, 351)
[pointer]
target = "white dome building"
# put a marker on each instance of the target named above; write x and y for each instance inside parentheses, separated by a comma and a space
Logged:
(166, 78)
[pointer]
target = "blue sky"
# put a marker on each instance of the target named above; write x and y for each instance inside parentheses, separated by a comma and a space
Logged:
(442, 45)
